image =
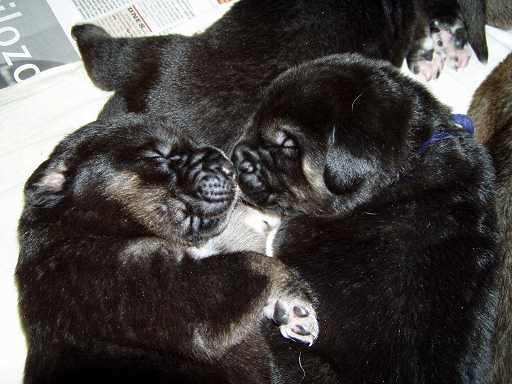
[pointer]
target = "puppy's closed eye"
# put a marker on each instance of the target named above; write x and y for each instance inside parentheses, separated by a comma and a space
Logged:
(284, 140)
(173, 158)
(286, 143)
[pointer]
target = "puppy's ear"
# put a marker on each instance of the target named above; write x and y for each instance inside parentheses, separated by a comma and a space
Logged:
(343, 174)
(45, 188)
(116, 63)
(473, 13)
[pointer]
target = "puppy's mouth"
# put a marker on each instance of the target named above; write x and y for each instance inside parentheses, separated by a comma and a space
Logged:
(210, 196)
(205, 211)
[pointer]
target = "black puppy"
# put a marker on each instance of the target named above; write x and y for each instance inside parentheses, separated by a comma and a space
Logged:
(113, 281)
(391, 219)
(211, 82)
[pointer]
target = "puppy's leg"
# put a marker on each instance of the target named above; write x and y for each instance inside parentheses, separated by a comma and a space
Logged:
(426, 61)
(463, 19)
(453, 26)
(152, 301)
(277, 293)
(443, 44)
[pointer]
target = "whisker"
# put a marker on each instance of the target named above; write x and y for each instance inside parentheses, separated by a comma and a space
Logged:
(302, 368)
(355, 100)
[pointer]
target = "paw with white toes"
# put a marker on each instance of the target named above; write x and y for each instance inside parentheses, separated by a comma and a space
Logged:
(430, 69)
(451, 40)
(296, 319)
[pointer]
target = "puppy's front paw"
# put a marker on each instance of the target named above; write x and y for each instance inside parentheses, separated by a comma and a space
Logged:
(430, 69)
(295, 317)
(451, 41)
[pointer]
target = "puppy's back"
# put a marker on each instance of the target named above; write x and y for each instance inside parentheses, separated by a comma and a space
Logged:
(499, 13)
(491, 110)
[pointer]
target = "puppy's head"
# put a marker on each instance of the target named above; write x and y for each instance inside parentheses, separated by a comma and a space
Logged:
(135, 176)
(332, 133)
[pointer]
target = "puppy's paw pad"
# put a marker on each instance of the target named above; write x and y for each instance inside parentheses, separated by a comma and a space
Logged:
(296, 319)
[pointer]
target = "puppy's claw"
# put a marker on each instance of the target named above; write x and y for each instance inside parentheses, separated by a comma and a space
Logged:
(298, 335)
(300, 311)
(300, 330)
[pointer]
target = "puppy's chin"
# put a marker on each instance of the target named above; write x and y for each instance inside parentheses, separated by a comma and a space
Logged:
(203, 220)
(196, 230)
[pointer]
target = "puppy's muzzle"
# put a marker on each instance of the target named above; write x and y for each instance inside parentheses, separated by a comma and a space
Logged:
(251, 173)
(208, 191)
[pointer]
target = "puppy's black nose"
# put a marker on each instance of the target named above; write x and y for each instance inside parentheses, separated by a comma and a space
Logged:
(246, 167)
(214, 161)
(223, 167)
(245, 159)
(214, 188)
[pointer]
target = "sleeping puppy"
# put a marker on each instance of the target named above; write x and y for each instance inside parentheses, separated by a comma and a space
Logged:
(114, 282)
(491, 110)
(389, 217)
(211, 82)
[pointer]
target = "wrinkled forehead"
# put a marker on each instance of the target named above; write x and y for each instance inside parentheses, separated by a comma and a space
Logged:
(150, 131)
(126, 136)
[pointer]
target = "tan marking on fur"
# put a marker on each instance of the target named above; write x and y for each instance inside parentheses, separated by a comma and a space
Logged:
(141, 202)
(315, 177)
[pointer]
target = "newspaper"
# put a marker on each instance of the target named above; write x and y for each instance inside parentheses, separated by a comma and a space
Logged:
(35, 35)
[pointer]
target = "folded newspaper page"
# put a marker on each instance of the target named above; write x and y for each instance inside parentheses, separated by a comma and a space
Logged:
(35, 35)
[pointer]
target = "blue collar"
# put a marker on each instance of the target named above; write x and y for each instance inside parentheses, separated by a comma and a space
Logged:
(465, 122)
(462, 121)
